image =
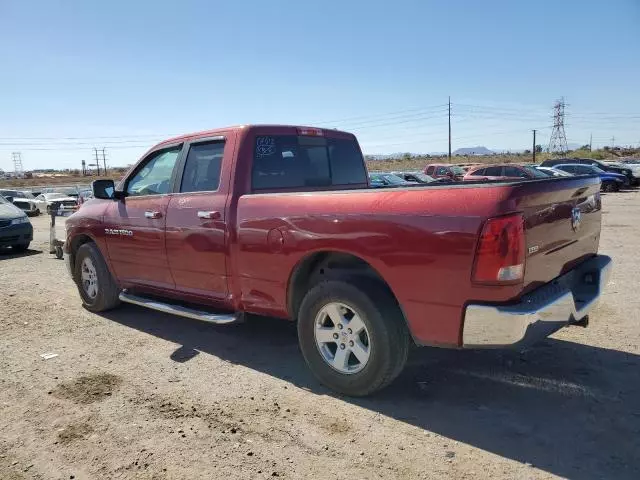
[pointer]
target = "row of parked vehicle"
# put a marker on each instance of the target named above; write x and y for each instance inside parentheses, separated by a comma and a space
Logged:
(33, 203)
(613, 175)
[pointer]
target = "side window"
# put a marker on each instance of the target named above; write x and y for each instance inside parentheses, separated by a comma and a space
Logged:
(202, 168)
(430, 170)
(154, 178)
(493, 172)
(569, 169)
(479, 173)
(514, 172)
(583, 170)
(441, 171)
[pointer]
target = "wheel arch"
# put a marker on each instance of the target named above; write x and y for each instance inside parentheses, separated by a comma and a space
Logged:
(330, 264)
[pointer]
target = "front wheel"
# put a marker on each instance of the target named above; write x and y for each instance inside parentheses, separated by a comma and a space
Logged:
(97, 287)
(21, 247)
(352, 336)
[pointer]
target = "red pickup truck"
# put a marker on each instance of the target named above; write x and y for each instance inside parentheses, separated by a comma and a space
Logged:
(281, 221)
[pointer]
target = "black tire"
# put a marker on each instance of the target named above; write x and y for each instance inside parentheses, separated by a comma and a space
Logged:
(107, 289)
(21, 247)
(608, 187)
(390, 339)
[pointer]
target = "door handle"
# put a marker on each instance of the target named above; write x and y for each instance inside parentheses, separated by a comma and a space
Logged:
(154, 214)
(209, 215)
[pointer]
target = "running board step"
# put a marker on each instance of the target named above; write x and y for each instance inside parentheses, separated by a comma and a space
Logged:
(217, 318)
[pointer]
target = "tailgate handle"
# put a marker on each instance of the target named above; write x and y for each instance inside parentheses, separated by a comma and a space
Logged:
(209, 215)
(152, 214)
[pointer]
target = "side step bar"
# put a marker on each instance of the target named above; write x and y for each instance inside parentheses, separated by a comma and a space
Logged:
(217, 318)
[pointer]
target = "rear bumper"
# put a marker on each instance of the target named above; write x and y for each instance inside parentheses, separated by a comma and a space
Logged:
(564, 301)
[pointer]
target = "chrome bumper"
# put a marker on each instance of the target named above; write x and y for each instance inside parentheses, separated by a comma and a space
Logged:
(564, 301)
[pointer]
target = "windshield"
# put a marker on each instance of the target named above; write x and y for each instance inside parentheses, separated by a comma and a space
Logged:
(393, 179)
(3, 200)
(457, 170)
(423, 177)
(535, 172)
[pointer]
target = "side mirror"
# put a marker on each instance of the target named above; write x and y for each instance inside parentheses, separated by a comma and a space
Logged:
(104, 189)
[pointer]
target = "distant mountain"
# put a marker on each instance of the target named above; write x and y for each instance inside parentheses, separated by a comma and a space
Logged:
(472, 151)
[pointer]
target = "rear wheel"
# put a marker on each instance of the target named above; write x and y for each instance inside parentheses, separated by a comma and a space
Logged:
(609, 187)
(353, 336)
(97, 287)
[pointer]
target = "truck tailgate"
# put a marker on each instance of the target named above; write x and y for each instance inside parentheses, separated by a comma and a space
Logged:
(562, 225)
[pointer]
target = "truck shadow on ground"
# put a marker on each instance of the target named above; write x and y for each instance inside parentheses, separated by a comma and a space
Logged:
(9, 253)
(569, 409)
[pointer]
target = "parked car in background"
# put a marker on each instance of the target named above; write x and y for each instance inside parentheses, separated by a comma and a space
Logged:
(444, 170)
(15, 228)
(626, 171)
(45, 200)
(23, 200)
(553, 172)
(611, 182)
(385, 179)
(503, 172)
(281, 221)
(635, 168)
(419, 177)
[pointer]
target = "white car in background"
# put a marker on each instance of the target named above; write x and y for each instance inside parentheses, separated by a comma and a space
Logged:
(45, 200)
(23, 200)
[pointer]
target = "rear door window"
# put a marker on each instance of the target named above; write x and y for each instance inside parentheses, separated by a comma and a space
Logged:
(514, 172)
(202, 167)
(291, 161)
(493, 171)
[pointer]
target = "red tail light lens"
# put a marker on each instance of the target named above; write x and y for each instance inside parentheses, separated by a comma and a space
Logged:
(500, 255)
(310, 132)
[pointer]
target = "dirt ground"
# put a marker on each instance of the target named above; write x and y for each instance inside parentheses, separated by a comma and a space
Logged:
(137, 394)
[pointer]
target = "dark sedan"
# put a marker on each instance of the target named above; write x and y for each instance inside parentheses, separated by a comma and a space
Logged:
(15, 228)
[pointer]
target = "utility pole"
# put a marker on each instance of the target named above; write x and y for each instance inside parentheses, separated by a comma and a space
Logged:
(449, 129)
(97, 161)
(84, 168)
(590, 140)
(534, 145)
(613, 142)
(104, 161)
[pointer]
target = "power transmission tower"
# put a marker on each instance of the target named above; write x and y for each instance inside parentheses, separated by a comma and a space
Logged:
(449, 129)
(17, 162)
(613, 142)
(558, 141)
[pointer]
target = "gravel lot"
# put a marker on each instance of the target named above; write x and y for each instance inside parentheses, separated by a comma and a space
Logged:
(138, 394)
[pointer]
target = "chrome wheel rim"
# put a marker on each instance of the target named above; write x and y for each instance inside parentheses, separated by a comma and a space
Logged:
(342, 338)
(89, 278)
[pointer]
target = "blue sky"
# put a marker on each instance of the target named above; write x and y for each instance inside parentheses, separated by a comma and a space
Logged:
(74, 73)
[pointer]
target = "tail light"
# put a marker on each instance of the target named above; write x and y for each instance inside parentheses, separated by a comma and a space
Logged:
(500, 255)
(310, 132)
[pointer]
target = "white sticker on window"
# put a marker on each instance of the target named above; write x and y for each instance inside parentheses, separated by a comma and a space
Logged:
(265, 146)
